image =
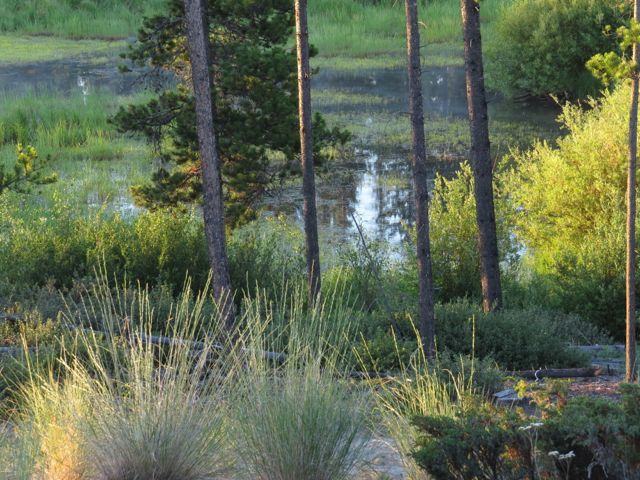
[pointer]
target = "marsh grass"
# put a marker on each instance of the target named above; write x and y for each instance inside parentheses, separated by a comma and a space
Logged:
(54, 120)
(95, 164)
(357, 28)
(77, 18)
(28, 49)
(353, 28)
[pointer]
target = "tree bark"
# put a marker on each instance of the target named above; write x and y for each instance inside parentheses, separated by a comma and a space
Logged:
(419, 164)
(213, 200)
(306, 151)
(631, 373)
(481, 156)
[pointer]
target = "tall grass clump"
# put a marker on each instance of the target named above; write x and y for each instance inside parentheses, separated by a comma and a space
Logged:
(301, 418)
(16, 455)
(128, 407)
(421, 388)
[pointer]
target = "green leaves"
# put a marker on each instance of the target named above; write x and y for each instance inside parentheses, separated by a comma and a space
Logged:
(27, 171)
(540, 47)
(612, 67)
(256, 106)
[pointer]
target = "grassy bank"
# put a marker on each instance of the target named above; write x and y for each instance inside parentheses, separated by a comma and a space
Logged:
(24, 49)
(339, 28)
(361, 29)
(104, 19)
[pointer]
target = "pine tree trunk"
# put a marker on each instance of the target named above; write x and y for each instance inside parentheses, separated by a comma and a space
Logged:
(306, 151)
(631, 217)
(213, 201)
(481, 156)
(419, 164)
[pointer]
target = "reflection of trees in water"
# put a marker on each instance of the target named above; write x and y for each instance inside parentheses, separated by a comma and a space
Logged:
(377, 190)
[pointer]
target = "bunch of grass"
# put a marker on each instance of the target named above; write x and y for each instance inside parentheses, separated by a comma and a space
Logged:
(130, 408)
(299, 419)
(16, 455)
(419, 389)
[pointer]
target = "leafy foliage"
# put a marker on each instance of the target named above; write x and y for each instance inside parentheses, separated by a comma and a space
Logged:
(255, 100)
(454, 235)
(571, 210)
(529, 51)
(583, 437)
(27, 171)
(611, 66)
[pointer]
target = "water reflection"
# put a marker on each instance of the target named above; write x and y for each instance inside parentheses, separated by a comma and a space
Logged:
(375, 187)
(66, 77)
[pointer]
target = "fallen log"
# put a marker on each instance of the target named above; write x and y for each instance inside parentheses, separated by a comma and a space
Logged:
(599, 348)
(370, 375)
(194, 345)
(557, 373)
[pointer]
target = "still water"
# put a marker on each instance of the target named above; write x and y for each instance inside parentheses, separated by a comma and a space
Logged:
(373, 185)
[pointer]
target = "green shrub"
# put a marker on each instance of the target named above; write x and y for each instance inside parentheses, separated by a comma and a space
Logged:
(369, 277)
(58, 248)
(454, 234)
(541, 47)
(585, 437)
(571, 211)
(267, 254)
(56, 245)
(479, 443)
(515, 339)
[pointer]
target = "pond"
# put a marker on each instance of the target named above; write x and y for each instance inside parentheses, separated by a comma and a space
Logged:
(372, 185)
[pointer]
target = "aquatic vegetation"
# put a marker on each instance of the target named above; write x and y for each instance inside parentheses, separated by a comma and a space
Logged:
(27, 49)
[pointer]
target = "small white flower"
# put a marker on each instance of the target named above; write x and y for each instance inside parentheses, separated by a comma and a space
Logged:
(567, 456)
(537, 424)
(524, 429)
(555, 453)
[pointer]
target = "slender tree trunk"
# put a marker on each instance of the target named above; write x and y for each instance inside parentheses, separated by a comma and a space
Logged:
(306, 151)
(631, 216)
(425, 274)
(213, 201)
(481, 156)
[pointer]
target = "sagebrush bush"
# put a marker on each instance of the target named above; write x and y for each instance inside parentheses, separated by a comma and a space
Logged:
(515, 339)
(541, 47)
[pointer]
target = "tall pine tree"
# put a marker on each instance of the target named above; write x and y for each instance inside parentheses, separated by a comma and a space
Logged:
(481, 156)
(255, 97)
(419, 165)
